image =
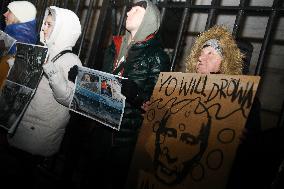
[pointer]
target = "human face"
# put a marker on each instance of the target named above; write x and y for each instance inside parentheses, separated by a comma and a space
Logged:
(179, 146)
(209, 61)
(48, 27)
(134, 19)
(87, 78)
(10, 18)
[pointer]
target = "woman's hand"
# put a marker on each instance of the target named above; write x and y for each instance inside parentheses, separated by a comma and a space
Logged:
(145, 106)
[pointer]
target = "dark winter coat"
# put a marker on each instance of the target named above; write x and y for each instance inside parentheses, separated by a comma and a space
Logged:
(22, 32)
(143, 63)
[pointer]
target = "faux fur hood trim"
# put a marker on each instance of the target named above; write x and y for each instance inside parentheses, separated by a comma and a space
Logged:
(232, 62)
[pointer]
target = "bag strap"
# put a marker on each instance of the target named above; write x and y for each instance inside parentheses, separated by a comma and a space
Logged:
(60, 54)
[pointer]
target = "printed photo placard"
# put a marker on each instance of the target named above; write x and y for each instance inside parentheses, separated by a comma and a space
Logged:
(98, 96)
(21, 84)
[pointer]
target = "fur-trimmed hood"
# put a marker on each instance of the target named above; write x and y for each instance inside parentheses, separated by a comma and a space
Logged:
(232, 62)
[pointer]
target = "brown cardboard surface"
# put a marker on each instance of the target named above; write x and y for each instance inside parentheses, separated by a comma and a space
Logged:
(191, 131)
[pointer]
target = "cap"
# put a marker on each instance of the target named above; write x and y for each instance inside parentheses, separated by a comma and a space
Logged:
(215, 44)
(24, 11)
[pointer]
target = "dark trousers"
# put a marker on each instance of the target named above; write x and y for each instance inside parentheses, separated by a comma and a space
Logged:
(108, 165)
(257, 161)
(91, 159)
(18, 168)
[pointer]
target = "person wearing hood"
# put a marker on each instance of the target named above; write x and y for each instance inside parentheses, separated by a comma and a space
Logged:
(138, 56)
(42, 126)
(215, 51)
(21, 25)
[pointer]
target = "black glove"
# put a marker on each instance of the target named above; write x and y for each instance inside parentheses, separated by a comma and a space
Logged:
(129, 89)
(72, 74)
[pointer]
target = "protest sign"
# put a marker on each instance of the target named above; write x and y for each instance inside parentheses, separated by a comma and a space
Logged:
(21, 84)
(98, 96)
(191, 131)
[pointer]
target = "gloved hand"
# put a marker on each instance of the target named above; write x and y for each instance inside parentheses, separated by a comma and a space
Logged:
(129, 89)
(72, 74)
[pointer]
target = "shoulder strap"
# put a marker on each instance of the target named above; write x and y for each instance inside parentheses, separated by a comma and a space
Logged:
(60, 54)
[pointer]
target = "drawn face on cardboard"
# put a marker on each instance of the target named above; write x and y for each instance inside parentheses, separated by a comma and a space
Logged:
(10, 18)
(209, 61)
(48, 27)
(178, 147)
(134, 18)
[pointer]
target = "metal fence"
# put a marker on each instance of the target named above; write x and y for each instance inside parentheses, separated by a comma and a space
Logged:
(102, 18)
(87, 11)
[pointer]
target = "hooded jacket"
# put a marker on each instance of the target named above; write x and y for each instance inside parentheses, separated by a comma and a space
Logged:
(144, 59)
(232, 61)
(42, 127)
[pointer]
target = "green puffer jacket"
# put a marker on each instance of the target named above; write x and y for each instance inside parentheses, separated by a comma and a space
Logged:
(143, 64)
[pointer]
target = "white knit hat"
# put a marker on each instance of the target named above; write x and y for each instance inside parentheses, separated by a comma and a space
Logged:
(24, 11)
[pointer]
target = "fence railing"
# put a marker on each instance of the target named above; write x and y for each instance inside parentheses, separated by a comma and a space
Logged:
(102, 18)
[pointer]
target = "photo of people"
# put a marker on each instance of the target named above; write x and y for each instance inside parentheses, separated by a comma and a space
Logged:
(27, 68)
(21, 83)
(98, 96)
(90, 82)
(106, 88)
(13, 100)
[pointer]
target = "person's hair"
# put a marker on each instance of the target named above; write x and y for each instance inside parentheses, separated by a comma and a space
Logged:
(232, 58)
(142, 4)
(87, 75)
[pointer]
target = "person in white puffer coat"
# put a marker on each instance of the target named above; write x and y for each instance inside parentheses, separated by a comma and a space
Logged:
(42, 127)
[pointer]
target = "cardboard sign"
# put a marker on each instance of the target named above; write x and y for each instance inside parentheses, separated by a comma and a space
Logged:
(191, 131)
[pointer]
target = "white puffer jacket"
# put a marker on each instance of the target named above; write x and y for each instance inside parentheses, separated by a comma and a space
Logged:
(42, 127)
